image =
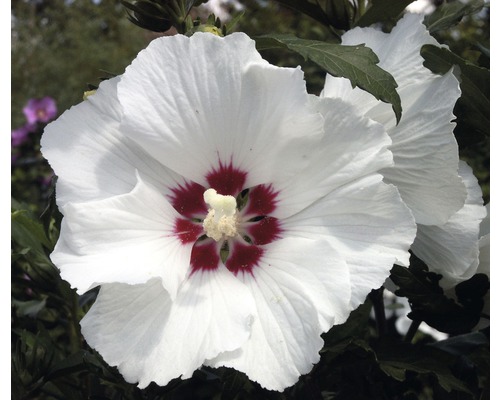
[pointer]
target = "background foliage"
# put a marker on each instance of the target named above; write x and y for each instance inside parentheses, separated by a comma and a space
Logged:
(59, 47)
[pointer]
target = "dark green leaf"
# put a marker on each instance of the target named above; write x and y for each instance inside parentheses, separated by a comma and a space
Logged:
(450, 14)
(462, 344)
(382, 11)
(232, 383)
(415, 282)
(356, 325)
(75, 362)
(312, 10)
(340, 13)
(394, 371)
(429, 304)
(473, 107)
(356, 63)
(229, 27)
(351, 334)
(29, 308)
(397, 357)
(29, 233)
(33, 356)
(148, 15)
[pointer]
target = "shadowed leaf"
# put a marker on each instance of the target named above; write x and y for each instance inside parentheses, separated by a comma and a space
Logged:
(382, 11)
(473, 107)
(450, 14)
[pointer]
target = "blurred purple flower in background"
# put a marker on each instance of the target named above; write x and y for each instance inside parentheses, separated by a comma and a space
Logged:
(40, 110)
(20, 135)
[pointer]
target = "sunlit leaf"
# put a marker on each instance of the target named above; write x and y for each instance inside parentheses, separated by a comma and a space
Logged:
(356, 63)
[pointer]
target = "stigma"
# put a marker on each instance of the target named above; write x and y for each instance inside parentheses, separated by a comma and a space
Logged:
(222, 220)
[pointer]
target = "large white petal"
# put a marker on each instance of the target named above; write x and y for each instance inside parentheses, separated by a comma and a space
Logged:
(450, 249)
(127, 238)
(353, 146)
(425, 150)
(484, 227)
(319, 269)
(399, 54)
(484, 268)
(367, 223)
(126, 323)
(292, 287)
(92, 158)
(213, 313)
(198, 102)
(398, 51)
(150, 339)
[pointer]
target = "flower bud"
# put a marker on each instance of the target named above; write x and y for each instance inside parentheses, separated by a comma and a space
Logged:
(148, 15)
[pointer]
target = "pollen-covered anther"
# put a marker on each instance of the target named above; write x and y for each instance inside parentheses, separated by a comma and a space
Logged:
(221, 221)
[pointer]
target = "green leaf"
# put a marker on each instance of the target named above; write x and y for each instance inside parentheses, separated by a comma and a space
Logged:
(232, 383)
(355, 326)
(415, 282)
(34, 354)
(382, 11)
(349, 335)
(429, 304)
(229, 27)
(29, 308)
(29, 233)
(148, 15)
(395, 358)
(312, 10)
(450, 14)
(340, 13)
(356, 63)
(473, 107)
(462, 344)
(78, 361)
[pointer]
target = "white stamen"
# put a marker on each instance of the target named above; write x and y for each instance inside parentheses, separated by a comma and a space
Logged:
(221, 219)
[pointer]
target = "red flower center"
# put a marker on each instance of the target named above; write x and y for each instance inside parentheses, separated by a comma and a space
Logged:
(256, 227)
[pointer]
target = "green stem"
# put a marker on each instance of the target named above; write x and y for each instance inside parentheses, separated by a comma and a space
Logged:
(377, 299)
(74, 336)
(412, 330)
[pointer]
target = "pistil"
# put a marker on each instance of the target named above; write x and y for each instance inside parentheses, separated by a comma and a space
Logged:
(221, 220)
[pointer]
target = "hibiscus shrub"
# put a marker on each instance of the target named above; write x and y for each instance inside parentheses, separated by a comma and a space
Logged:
(223, 224)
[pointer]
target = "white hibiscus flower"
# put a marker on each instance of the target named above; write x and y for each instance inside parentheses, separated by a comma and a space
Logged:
(228, 217)
(464, 223)
(425, 150)
(483, 266)
(452, 249)
(442, 192)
